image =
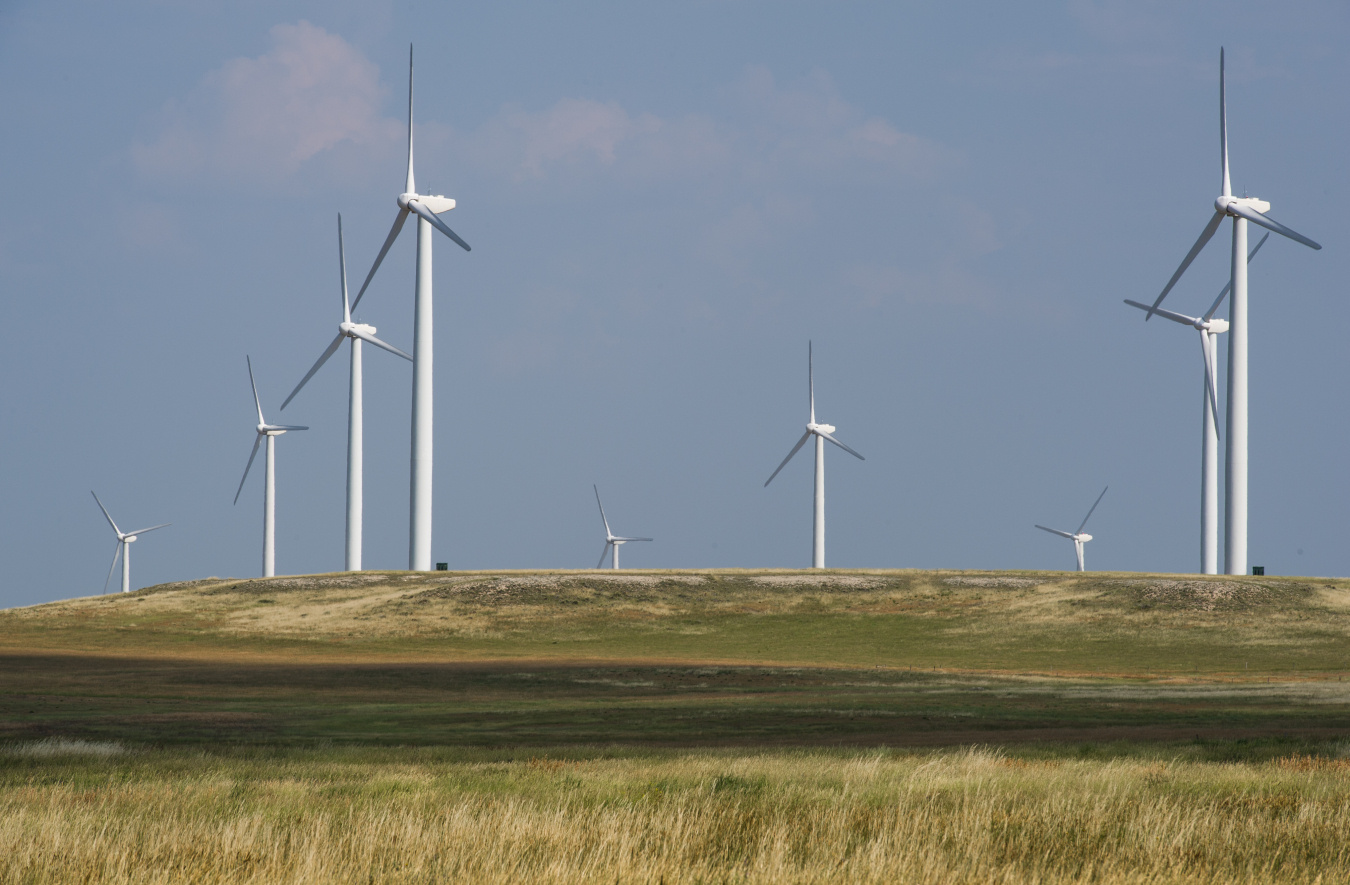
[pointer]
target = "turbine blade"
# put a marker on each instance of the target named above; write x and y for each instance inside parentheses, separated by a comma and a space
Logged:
(332, 349)
(257, 440)
(608, 533)
(1223, 128)
(1165, 313)
(436, 222)
(342, 270)
(603, 554)
(151, 529)
(1094, 507)
(1205, 237)
(841, 445)
(410, 187)
(1227, 287)
(1271, 224)
(1056, 532)
(254, 385)
(810, 380)
(1211, 381)
(801, 442)
(384, 250)
(106, 515)
(116, 554)
(366, 336)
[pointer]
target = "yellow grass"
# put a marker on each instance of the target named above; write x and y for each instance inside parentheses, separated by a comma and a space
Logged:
(89, 813)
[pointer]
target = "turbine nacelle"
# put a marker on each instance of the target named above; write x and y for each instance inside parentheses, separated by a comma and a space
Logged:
(1082, 538)
(822, 428)
(354, 330)
(435, 202)
(1226, 204)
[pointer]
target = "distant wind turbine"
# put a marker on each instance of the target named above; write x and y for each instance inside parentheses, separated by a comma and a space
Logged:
(612, 541)
(1241, 210)
(426, 208)
(356, 333)
(821, 432)
(1210, 329)
(124, 542)
(1079, 537)
(269, 432)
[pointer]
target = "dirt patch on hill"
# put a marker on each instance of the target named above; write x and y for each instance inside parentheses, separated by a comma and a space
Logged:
(1201, 595)
(819, 582)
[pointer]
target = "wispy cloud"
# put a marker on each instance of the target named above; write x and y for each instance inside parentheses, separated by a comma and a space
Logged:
(264, 117)
(767, 129)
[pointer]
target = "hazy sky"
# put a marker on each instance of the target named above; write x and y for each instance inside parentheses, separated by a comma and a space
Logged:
(666, 201)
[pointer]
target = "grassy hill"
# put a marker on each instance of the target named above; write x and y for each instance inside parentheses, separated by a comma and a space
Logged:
(685, 658)
(724, 726)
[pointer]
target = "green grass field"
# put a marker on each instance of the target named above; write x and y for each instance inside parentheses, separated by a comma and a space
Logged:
(685, 726)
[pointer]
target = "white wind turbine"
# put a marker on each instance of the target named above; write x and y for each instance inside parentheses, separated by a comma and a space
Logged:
(124, 542)
(426, 208)
(356, 333)
(612, 541)
(1210, 329)
(1241, 210)
(270, 432)
(821, 432)
(1079, 537)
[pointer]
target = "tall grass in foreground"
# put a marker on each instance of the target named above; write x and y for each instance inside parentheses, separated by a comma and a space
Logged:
(796, 816)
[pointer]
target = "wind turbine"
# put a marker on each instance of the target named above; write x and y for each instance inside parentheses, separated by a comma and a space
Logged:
(1079, 538)
(426, 207)
(1241, 210)
(124, 542)
(1209, 328)
(821, 432)
(270, 432)
(611, 540)
(356, 333)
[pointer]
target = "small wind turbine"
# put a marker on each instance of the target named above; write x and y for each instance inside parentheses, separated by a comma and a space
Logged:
(612, 541)
(426, 208)
(1079, 538)
(1241, 210)
(821, 432)
(270, 432)
(356, 333)
(124, 541)
(1210, 329)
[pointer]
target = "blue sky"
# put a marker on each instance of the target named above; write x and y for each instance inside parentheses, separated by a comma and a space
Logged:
(665, 202)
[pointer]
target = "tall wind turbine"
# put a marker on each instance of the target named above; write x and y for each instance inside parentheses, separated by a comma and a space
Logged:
(1210, 329)
(821, 432)
(612, 541)
(270, 432)
(426, 207)
(1241, 210)
(124, 542)
(1079, 537)
(356, 333)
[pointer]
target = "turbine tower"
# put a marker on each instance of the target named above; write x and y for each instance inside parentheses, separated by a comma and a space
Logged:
(612, 541)
(1079, 537)
(124, 542)
(356, 333)
(1241, 210)
(270, 432)
(1209, 328)
(426, 207)
(821, 432)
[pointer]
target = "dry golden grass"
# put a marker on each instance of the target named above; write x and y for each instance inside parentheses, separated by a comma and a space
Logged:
(75, 813)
